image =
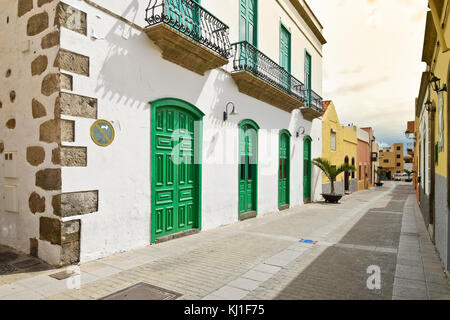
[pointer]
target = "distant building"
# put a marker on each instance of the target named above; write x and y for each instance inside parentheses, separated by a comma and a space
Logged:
(339, 146)
(392, 160)
(363, 159)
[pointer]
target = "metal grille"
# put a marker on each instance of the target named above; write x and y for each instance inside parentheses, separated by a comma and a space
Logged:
(248, 58)
(143, 291)
(191, 19)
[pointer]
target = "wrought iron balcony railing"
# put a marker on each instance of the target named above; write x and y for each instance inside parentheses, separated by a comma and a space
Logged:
(314, 102)
(192, 20)
(248, 58)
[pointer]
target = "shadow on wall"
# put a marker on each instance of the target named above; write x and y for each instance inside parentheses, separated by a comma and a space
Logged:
(132, 73)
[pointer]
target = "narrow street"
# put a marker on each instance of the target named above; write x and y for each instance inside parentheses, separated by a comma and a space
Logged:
(263, 258)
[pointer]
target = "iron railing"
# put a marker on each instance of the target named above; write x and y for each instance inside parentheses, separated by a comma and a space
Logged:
(191, 19)
(315, 101)
(248, 58)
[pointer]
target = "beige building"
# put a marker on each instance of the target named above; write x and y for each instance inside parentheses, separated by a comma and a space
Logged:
(392, 160)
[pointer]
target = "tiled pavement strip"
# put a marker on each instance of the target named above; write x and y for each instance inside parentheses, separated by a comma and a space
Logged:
(262, 258)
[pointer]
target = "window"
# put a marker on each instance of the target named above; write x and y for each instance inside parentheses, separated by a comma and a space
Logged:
(398, 156)
(398, 164)
(386, 161)
(399, 148)
(333, 140)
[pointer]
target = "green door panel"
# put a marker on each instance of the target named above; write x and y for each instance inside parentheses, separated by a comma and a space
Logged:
(176, 178)
(248, 166)
(248, 32)
(285, 57)
(284, 168)
(307, 169)
(248, 22)
(308, 71)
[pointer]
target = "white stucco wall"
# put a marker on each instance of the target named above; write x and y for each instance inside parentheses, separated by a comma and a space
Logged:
(126, 73)
(362, 135)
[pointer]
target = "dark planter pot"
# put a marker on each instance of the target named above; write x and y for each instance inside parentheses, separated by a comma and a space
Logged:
(379, 184)
(408, 180)
(332, 198)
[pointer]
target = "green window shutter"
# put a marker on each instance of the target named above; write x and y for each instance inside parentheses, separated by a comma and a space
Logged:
(248, 25)
(308, 72)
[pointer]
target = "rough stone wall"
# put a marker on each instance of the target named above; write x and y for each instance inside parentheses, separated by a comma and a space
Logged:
(31, 128)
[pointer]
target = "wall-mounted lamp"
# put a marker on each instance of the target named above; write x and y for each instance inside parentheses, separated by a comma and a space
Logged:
(436, 84)
(233, 111)
(429, 106)
(300, 131)
(409, 135)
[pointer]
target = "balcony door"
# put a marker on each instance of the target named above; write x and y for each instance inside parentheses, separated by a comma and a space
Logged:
(308, 68)
(285, 57)
(248, 21)
(248, 27)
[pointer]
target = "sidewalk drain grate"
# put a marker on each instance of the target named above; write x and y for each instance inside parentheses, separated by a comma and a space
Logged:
(143, 291)
(7, 268)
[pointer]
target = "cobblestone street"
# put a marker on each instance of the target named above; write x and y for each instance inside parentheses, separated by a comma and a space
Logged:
(317, 251)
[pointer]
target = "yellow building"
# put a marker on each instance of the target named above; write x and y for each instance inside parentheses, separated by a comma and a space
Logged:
(392, 160)
(339, 145)
(433, 138)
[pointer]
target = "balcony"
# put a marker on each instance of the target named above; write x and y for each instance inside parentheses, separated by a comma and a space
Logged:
(260, 77)
(313, 107)
(188, 35)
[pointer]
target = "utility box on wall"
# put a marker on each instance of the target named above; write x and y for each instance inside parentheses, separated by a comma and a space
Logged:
(10, 165)
(9, 199)
(11, 204)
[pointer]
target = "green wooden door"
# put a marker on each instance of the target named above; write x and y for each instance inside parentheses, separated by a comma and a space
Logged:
(248, 164)
(284, 169)
(175, 175)
(248, 24)
(307, 169)
(285, 57)
(308, 79)
(248, 27)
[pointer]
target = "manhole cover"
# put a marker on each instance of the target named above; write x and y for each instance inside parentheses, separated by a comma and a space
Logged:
(7, 268)
(63, 275)
(143, 291)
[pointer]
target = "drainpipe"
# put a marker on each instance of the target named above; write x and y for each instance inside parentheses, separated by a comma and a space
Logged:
(437, 25)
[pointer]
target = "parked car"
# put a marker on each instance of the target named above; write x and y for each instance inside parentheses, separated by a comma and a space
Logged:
(400, 177)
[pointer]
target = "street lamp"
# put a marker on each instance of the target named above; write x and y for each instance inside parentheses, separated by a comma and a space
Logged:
(436, 84)
(233, 111)
(429, 106)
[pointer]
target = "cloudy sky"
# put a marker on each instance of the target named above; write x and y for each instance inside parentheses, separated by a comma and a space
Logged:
(372, 61)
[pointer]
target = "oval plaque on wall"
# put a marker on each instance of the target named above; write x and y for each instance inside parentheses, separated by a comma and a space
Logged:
(102, 133)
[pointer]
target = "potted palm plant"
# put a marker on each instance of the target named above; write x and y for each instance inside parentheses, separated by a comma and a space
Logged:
(332, 173)
(380, 173)
(409, 173)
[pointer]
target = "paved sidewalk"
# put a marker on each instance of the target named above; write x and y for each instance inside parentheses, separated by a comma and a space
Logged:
(317, 251)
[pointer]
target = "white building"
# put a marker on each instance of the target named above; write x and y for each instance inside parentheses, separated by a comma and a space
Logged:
(165, 161)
